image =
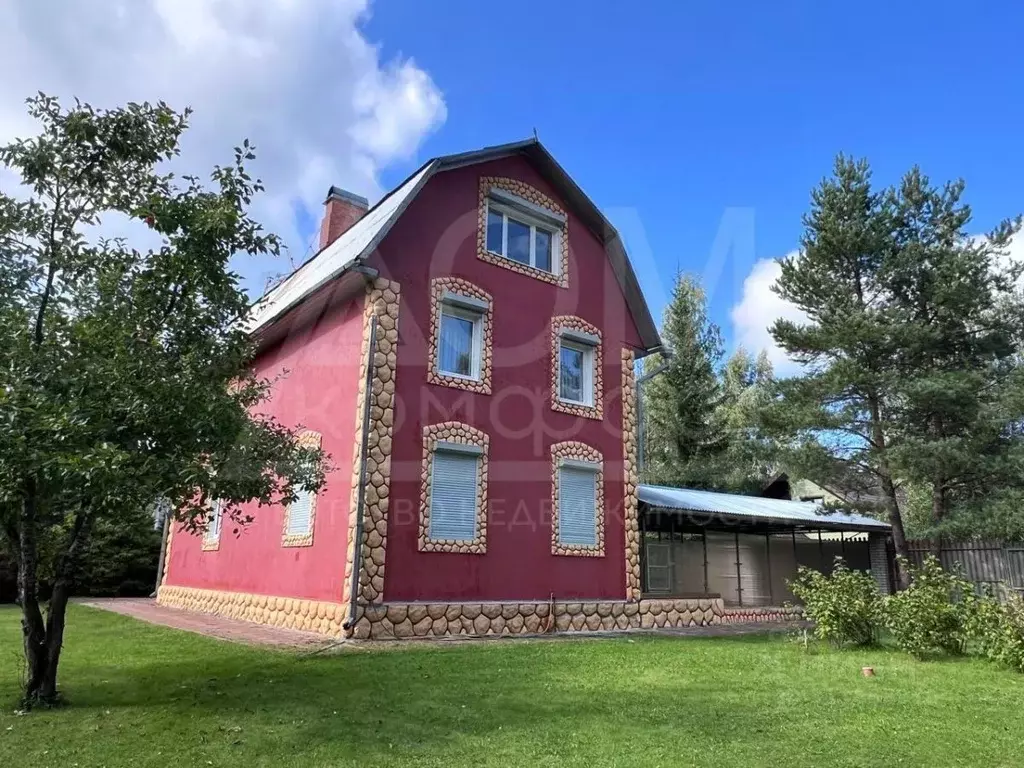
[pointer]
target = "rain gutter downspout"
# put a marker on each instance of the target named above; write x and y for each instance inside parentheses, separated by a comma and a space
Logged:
(357, 544)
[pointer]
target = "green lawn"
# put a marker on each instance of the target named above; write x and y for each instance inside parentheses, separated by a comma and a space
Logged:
(142, 695)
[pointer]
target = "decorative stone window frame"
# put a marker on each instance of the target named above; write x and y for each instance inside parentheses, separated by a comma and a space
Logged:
(568, 327)
(528, 198)
(308, 439)
(573, 450)
(453, 432)
(212, 543)
(461, 293)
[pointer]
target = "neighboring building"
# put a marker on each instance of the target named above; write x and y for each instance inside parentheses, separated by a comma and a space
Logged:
(464, 351)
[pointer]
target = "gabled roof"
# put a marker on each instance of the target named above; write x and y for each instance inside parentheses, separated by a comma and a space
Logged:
(359, 242)
(755, 508)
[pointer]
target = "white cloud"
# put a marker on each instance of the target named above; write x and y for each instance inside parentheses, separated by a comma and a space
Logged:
(759, 306)
(296, 77)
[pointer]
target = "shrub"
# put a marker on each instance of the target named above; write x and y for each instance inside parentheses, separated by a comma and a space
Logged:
(844, 606)
(997, 630)
(935, 613)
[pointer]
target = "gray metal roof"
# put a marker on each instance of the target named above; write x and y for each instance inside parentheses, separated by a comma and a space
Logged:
(355, 245)
(754, 508)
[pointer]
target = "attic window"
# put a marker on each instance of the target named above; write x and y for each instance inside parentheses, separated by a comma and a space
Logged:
(522, 232)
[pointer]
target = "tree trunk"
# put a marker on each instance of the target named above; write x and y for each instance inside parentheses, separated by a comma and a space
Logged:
(938, 513)
(43, 643)
(892, 504)
(32, 626)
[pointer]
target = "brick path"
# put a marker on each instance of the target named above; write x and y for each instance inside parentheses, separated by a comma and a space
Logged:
(146, 609)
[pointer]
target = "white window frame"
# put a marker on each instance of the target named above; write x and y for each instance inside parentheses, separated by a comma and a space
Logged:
(520, 213)
(588, 370)
(463, 450)
(215, 521)
(464, 308)
(594, 469)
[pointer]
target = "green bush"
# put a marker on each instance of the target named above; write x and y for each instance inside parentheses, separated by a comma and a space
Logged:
(935, 613)
(997, 630)
(844, 606)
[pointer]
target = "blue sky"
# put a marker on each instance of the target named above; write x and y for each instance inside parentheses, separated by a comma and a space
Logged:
(690, 122)
(699, 128)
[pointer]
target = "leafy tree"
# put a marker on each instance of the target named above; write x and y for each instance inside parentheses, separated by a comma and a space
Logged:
(905, 351)
(700, 414)
(123, 372)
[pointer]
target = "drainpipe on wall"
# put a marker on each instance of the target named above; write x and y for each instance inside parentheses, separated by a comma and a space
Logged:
(641, 445)
(357, 544)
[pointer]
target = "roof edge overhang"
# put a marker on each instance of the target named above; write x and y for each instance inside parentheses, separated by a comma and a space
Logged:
(705, 519)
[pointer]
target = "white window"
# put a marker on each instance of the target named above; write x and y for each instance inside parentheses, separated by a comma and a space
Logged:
(453, 492)
(523, 232)
(300, 514)
(213, 525)
(575, 372)
(577, 503)
(460, 336)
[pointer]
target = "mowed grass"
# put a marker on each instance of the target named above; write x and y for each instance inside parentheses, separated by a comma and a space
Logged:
(146, 696)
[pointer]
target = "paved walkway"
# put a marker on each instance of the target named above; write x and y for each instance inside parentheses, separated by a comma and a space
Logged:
(236, 630)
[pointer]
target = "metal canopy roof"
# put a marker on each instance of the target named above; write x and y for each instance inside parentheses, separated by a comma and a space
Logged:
(753, 508)
(358, 243)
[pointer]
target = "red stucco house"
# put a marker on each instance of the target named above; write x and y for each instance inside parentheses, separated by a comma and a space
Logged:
(464, 351)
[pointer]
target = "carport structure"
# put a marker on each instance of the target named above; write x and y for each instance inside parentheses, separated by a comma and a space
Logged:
(745, 549)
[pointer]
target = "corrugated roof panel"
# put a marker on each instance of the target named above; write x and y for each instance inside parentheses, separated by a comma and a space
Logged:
(336, 257)
(735, 505)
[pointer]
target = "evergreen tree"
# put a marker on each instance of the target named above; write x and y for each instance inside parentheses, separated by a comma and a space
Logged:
(837, 416)
(960, 326)
(682, 434)
(911, 370)
(700, 415)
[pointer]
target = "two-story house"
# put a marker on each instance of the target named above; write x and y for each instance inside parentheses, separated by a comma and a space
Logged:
(464, 351)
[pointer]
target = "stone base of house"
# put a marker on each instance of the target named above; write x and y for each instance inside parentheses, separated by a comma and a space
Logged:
(407, 620)
(735, 615)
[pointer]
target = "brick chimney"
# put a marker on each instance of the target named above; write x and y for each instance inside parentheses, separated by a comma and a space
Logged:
(342, 209)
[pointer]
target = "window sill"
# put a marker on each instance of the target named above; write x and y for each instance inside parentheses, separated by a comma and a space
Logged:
(578, 550)
(476, 546)
(297, 540)
(211, 545)
(459, 382)
(577, 409)
(523, 269)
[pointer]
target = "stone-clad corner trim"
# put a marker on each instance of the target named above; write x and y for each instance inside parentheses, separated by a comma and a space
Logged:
(575, 450)
(287, 612)
(382, 300)
(453, 432)
(532, 195)
(405, 620)
(307, 439)
(460, 287)
(630, 478)
(562, 323)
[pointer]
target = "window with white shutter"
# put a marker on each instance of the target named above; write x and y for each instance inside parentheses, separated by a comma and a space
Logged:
(300, 515)
(577, 506)
(453, 494)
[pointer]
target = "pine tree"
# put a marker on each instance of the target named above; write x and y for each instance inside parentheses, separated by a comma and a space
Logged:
(960, 325)
(911, 353)
(837, 417)
(682, 433)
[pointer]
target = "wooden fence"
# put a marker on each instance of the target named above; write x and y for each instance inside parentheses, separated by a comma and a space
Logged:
(997, 565)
